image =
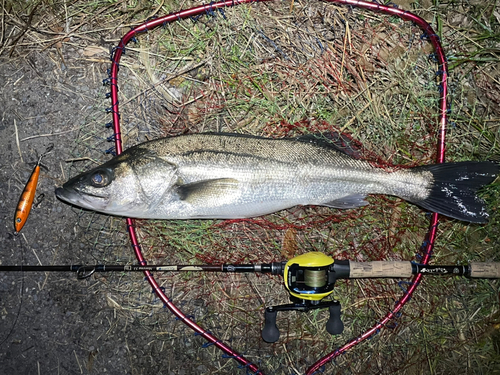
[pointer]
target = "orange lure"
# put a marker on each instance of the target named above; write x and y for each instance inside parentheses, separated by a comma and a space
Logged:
(26, 201)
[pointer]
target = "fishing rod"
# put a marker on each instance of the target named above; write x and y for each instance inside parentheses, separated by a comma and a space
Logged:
(343, 269)
(309, 278)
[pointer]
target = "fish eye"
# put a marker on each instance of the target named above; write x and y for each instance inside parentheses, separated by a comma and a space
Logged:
(100, 178)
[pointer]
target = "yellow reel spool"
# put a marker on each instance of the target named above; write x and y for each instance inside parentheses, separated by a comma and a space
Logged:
(306, 276)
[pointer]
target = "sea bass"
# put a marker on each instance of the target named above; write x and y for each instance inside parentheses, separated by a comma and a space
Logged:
(229, 176)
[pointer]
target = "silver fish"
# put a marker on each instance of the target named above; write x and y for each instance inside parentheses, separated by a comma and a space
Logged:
(228, 176)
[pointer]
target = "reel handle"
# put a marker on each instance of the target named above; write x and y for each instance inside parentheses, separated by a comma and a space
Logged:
(335, 326)
(270, 332)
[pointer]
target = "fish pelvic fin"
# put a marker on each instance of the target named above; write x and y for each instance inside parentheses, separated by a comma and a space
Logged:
(454, 189)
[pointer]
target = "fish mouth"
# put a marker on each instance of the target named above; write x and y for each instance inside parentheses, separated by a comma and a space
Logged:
(76, 198)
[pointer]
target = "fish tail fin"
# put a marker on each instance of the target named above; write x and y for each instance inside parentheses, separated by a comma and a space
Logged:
(454, 189)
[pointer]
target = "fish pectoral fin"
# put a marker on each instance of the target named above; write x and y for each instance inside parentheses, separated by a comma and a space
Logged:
(350, 201)
(207, 189)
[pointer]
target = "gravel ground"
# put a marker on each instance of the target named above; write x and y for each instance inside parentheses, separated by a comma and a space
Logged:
(52, 323)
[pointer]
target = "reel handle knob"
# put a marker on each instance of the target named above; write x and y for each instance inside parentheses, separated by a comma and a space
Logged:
(334, 326)
(270, 332)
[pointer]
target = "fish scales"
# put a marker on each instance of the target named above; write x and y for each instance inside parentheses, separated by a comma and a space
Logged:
(237, 176)
(286, 161)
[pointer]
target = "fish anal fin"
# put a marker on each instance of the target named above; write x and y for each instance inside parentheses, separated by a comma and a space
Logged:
(350, 201)
(207, 189)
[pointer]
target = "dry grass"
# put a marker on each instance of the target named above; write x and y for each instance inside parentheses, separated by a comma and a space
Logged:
(285, 69)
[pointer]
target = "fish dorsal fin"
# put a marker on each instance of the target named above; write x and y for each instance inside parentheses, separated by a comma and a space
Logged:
(332, 140)
(206, 190)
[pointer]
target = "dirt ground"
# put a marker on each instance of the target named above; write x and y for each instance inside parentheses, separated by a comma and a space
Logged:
(53, 323)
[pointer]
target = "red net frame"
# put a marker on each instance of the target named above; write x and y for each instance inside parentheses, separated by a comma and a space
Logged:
(428, 243)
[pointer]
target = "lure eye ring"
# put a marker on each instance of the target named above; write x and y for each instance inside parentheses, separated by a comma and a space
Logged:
(100, 178)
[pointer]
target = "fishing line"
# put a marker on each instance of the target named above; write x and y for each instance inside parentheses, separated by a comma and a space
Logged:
(428, 243)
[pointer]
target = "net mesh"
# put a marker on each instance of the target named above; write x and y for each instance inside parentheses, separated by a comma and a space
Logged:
(284, 69)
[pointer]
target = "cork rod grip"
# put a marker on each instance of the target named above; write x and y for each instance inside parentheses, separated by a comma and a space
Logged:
(485, 270)
(366, 270)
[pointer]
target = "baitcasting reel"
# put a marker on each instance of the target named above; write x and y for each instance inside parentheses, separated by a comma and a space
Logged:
(308, 278)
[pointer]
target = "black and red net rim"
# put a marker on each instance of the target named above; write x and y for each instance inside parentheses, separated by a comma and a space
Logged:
(430, 237)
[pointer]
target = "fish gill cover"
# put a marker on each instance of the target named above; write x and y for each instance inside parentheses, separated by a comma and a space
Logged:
(286, 70)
